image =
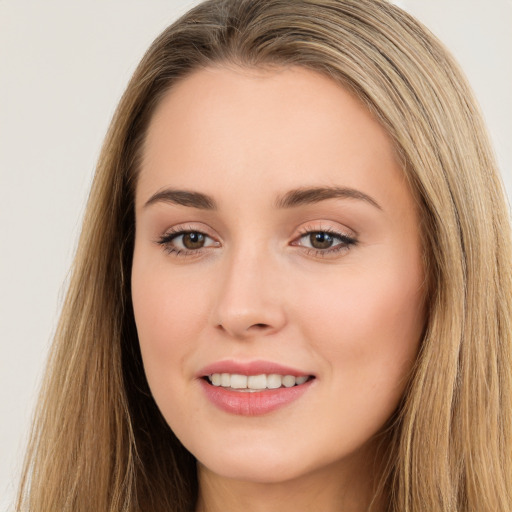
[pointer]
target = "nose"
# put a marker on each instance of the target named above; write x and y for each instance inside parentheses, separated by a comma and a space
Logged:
(249, 302)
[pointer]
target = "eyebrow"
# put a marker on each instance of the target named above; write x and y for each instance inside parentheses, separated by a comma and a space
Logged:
(291, 199)
(303, 196)
(183, 198)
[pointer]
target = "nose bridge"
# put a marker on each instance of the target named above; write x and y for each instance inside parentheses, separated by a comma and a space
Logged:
(248, 300)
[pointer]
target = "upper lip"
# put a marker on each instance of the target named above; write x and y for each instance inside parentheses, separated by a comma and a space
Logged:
(256, 367)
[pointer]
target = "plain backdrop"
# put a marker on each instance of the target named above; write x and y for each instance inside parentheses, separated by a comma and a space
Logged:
(63, 68)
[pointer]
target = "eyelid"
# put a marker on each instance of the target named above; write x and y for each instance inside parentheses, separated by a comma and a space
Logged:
(347, 239)
(326, 226)
(166, 238)
(189, 228)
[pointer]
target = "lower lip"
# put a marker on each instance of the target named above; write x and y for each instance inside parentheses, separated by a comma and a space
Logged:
(245, 403)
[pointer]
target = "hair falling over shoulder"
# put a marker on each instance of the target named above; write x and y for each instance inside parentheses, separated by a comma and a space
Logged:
(99, 442)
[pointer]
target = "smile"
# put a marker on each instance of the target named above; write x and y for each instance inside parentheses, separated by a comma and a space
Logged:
(254, 394)
(255, 383)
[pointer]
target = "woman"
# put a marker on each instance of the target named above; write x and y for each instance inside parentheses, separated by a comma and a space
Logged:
(292, 287)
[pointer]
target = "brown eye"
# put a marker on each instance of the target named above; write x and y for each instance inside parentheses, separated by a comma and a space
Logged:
(325, 243)
(193, 240)
(321, 240)
(186, 242)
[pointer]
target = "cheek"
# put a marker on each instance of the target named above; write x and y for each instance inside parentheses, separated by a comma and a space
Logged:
(368, 331)
(168, 316)
(161, 310)
(367, 323)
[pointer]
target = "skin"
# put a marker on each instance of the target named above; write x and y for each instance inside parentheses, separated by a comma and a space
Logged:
(259, 290)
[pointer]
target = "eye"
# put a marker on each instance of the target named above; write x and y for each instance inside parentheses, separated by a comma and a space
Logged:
(325, 242)
(186, 242)
(192, 240)
(320, 239)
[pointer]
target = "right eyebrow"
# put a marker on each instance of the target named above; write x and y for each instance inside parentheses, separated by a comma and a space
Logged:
(182, 198)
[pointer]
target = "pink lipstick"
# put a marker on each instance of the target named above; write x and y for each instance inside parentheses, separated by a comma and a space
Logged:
(252, 388)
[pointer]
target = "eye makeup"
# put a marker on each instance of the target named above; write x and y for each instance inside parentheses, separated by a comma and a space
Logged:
(324, 242)
(186, 241)
(317, 242)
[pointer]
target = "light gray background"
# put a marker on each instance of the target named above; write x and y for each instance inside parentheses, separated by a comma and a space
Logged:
(63, 68)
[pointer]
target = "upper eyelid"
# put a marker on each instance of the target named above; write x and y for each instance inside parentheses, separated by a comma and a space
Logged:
(332, 231)
(343, 237)
(188, 228)
(327, 227)
(304, 229)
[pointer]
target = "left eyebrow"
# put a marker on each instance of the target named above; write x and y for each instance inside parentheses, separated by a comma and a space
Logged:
(311, 195)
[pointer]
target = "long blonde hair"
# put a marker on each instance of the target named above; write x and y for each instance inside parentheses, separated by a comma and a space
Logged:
(99, 442)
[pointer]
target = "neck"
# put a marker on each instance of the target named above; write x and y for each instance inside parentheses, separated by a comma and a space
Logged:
(347, 485)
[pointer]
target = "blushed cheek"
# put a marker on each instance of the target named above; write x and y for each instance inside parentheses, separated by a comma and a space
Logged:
(162, 318)
(166, 324)
(165, 317)
(367, 325)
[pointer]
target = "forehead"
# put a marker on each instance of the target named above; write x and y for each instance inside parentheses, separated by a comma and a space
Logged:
(273, 129)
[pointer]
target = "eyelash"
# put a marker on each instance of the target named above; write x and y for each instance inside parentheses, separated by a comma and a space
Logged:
(345, 242)
(166, 241)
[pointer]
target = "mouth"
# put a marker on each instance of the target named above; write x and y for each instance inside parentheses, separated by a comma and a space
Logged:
(255, 383)
(252, 388)
(254, 393)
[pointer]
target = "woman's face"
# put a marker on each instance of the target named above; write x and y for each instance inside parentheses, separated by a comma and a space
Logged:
(275, 236)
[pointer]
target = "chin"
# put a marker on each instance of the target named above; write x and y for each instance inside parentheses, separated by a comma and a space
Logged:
(265, 462)
(261, 471)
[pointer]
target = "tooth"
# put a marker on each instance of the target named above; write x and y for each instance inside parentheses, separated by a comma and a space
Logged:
(225, 380)
(288, 381)
(238, 381)
(274, 381)
(257, 381)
